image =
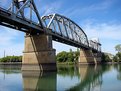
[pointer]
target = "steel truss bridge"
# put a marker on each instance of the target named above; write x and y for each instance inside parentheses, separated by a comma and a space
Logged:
(61, 28)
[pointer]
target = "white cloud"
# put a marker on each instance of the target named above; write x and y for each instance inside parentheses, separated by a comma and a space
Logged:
(51, 8)
(9, 41)
(103, 31)
(98, 6)
(108, 33)
(7, 35)
(80, 10)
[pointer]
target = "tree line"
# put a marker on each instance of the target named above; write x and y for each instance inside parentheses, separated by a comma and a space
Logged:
(11, 59)
(117, 57)
(71, 56)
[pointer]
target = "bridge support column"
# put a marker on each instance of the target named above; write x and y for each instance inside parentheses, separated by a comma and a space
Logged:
(38, 53)
(89, 57)
(98, 57)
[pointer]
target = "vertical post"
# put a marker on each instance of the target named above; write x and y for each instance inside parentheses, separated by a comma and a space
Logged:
(4, 53)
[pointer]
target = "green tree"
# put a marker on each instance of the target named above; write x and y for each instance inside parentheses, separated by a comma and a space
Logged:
(119, 56)
(118, 47)
(77, 53)
(11, 59)
(62, 56)
(105, 58)
(68, 56)
(71, 51)
(115, 59)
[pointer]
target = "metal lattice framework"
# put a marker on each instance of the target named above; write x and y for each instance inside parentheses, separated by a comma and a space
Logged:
(95, 45)
(18, 8)
(66, 28)
(61, 29)
(21, 15)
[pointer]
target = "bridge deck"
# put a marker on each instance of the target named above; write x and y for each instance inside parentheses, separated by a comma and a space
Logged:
(9, 19)
(14, 21)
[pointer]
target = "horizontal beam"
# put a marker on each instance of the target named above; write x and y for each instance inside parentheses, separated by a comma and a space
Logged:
(10, 19)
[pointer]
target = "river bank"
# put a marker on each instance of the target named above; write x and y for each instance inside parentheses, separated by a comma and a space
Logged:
(10, 63)
(58, 63)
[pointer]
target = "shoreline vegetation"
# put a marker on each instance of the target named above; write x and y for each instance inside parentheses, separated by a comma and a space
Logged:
(65, 58)
(62, 63)
(70, 58)
(11, 59)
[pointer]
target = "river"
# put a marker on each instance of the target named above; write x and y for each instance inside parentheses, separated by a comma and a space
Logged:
(67, 78)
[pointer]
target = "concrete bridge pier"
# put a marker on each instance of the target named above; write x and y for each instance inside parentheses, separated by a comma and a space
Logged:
(87, 56)
(38, 53)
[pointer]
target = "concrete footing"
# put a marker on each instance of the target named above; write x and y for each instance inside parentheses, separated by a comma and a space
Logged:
(38, 53)
(89, 57)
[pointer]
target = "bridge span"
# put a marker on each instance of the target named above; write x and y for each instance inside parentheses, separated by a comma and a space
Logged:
(39, 35)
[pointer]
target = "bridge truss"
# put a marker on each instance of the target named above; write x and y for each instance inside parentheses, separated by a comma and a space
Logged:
(68, 29)
(61, 28)
(16, 18)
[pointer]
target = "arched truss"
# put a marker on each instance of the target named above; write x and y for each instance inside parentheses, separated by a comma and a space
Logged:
(66, 28)
(15, 18)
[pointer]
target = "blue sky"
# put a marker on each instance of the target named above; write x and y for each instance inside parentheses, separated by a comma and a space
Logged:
(98, 18)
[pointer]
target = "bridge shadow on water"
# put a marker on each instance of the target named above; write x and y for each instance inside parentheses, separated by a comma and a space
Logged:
(67, 78)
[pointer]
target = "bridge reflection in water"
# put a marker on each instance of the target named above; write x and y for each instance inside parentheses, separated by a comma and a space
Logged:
(70, 78)
(39, 81)
(83, 78)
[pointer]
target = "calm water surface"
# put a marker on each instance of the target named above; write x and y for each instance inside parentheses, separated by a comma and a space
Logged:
(67, 78)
